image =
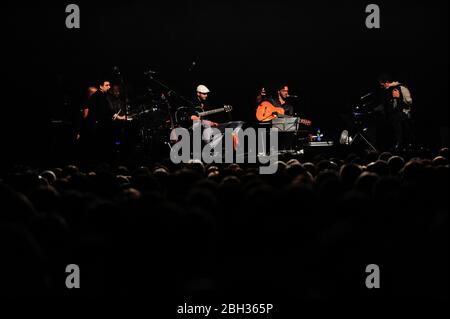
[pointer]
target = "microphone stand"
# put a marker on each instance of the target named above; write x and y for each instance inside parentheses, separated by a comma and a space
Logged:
(169, 91)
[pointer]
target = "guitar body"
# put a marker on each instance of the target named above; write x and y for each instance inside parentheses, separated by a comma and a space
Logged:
(183, 116)
(264, 112)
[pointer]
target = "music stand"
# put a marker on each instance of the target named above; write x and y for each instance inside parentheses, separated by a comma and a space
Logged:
(288, 128)
(285, 124)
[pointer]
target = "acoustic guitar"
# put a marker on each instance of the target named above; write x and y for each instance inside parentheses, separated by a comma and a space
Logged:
(266, 112)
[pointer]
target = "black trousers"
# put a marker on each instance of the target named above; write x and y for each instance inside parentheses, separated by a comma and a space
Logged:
(402, 129)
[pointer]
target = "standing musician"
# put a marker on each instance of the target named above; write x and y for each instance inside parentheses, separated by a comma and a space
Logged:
(98, 116)
(396, 103)
(84, 113)
(91, 90)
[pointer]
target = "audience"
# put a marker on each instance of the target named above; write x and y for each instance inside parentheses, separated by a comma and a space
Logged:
(196, 230)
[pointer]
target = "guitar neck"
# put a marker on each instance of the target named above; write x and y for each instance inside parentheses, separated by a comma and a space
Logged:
(206, 113)
(298, 120)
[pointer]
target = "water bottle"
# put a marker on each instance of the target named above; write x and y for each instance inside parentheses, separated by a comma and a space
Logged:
(319, 138)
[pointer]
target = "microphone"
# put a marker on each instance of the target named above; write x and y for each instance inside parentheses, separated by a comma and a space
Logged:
(292, 96)
(192, 66)
(148, 72)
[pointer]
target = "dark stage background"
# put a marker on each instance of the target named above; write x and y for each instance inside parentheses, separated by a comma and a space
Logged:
(321, 48)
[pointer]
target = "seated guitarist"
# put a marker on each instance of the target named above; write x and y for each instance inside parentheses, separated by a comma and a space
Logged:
(277, 106)
(270, 107)
(221, 120)
(281, 100)
(201, 104)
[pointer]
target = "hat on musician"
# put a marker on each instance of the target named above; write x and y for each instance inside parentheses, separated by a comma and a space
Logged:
(202, 89)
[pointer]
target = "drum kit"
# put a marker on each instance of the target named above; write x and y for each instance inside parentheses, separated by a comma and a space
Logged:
(151, 118)
(149, 115)
(150, 122)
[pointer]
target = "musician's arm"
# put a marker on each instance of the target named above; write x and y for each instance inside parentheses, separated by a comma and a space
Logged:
(85, 113)
(406, 95)
(206, 122)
